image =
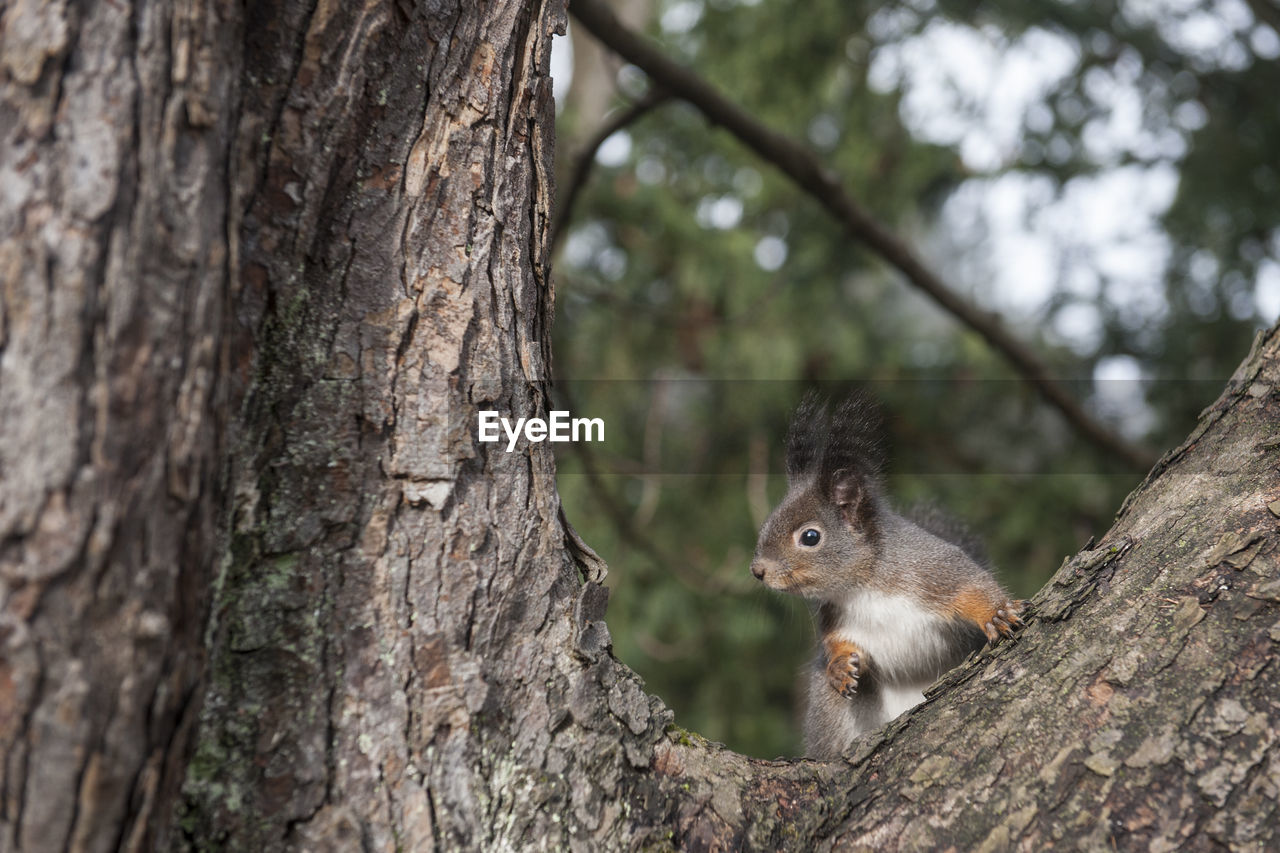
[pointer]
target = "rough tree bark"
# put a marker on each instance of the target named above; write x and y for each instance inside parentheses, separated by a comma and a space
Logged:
(115, 256)
(263, 589)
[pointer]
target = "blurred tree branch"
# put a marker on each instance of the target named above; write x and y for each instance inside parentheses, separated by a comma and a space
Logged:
(1266, 12)
(808, 172)
(586, 159)
(626, 526)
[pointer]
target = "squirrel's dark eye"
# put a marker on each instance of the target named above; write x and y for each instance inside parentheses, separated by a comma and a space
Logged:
(810, 538)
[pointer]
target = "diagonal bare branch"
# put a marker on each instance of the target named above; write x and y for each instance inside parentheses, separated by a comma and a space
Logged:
(587, 157)
(807, 171)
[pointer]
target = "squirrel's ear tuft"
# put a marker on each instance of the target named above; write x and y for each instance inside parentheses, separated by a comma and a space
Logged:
(821, 442)
(807, 437)
(852, 460)
(857, 439)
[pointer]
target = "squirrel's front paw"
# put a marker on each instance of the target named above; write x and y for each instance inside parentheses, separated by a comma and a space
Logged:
(843, 672)
(1002, 620)
(844, 667)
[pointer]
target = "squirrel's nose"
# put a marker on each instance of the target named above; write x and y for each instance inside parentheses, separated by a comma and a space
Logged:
(757, 569)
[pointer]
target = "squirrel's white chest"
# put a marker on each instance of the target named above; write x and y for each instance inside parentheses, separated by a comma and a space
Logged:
(896, 632)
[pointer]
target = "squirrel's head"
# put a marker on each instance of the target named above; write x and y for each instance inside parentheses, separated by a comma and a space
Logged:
(824, 536)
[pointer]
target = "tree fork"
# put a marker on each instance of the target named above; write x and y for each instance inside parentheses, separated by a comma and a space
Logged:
(241, 353)
(1138, 709)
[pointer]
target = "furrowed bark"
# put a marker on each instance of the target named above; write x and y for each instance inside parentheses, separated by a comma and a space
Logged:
(115, 122)
(405, 656)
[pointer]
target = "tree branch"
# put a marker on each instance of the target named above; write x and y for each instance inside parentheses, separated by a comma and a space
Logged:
(587, 157)
(1264, 11)
(1066, 726)
(799, 164)
(613, 508)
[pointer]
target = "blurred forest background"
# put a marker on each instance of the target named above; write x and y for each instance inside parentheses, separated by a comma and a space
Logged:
(1101, 176)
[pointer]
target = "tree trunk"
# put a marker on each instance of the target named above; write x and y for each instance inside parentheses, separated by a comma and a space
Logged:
(262, 588)
(115, 257)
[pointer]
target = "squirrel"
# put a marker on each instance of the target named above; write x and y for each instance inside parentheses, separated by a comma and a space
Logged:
(897, 602)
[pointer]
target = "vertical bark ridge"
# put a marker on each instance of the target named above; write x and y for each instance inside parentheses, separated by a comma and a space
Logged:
(114, 267)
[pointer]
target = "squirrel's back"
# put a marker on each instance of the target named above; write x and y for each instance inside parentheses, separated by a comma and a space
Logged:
(947, 527)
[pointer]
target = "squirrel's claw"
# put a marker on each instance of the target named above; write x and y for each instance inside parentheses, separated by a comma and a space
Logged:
(843, 672)
(1002, 622)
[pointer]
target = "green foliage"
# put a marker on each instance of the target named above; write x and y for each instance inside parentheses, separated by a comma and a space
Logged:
(680, 323)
